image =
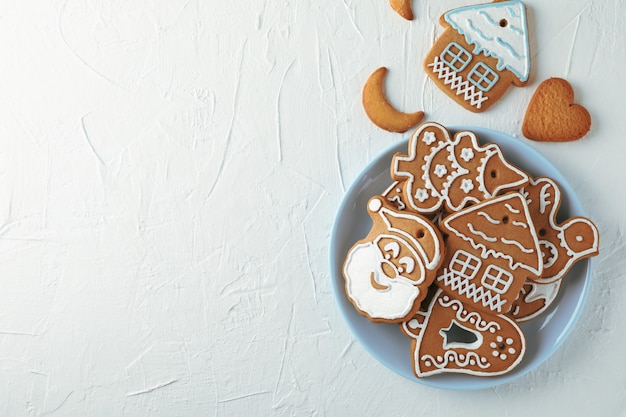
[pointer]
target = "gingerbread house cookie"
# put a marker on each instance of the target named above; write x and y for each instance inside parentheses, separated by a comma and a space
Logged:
(483, 49)
(491, 250)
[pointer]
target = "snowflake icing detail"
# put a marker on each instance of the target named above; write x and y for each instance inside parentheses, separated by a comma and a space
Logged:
(421, 195)
(467, 185)
(440, 170)
(467, 154)
(429, 138)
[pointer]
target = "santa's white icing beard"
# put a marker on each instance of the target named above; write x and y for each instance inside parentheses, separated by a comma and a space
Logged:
(398, 295)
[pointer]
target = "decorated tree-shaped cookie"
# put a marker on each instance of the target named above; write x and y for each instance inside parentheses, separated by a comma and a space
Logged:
(450, 173)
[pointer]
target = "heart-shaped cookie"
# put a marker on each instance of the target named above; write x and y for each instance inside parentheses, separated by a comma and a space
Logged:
(552, 116)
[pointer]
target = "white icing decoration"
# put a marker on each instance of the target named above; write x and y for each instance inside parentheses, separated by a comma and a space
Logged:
(520, 224)
(467, 154)
(511, 209)
(553, 254)
(544, 195)
(458, 84)
(469, 289)
(413, 243)
(517, 244)
(492, 150)
(498, 30)
(481, 234)
(375, 204)
(441, 170)
(453, 356)
(467, 185)
(418, 184)
(421, 195)
(429, 138)
(486, 252)
(395, 302)
(397, 201)
(488, 217)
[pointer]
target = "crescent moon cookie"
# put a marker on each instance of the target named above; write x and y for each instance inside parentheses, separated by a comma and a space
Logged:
(453, 337)
(380, 111)
(483, 50)
(447, 173)
(403, 8)
(387, 273)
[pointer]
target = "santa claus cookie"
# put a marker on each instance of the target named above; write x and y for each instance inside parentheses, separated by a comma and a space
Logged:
(562, 244)
(451, 173)
(491, 250)
(387, 273)
(453, 337)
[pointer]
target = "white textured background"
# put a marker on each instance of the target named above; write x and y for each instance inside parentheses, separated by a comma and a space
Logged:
(169, 173)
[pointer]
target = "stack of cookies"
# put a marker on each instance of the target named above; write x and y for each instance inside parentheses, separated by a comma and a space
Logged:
(463, 246)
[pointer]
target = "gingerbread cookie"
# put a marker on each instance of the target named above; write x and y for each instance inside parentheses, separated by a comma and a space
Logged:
(380, 111)
(491, 249)
(403, 8)
(562, 244)
(534, 299)
(552, 116)
(483, 49)
(393, 194)
(387, 273)
(441, 172)
(452, 337)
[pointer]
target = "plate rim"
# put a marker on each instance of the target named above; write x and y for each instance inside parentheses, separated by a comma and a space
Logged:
(574, 207)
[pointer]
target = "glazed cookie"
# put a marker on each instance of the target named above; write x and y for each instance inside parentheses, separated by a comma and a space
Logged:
(491, 250)
(453, 337)
(441, 172)
(552, 116)
(387, 273)
(562, 244)
(483, 49)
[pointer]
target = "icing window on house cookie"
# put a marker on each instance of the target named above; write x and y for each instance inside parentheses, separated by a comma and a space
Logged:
(456, 57)
(497, 279)
(465, 264)
(483, 77)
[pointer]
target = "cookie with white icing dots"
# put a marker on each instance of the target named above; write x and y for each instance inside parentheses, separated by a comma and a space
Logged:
(452, 337)
(463, 246)
(441, 172)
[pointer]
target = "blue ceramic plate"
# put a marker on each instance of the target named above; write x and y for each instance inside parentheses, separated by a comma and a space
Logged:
(386, 342)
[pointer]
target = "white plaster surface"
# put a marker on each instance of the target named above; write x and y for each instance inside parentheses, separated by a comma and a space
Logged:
(169, 174)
